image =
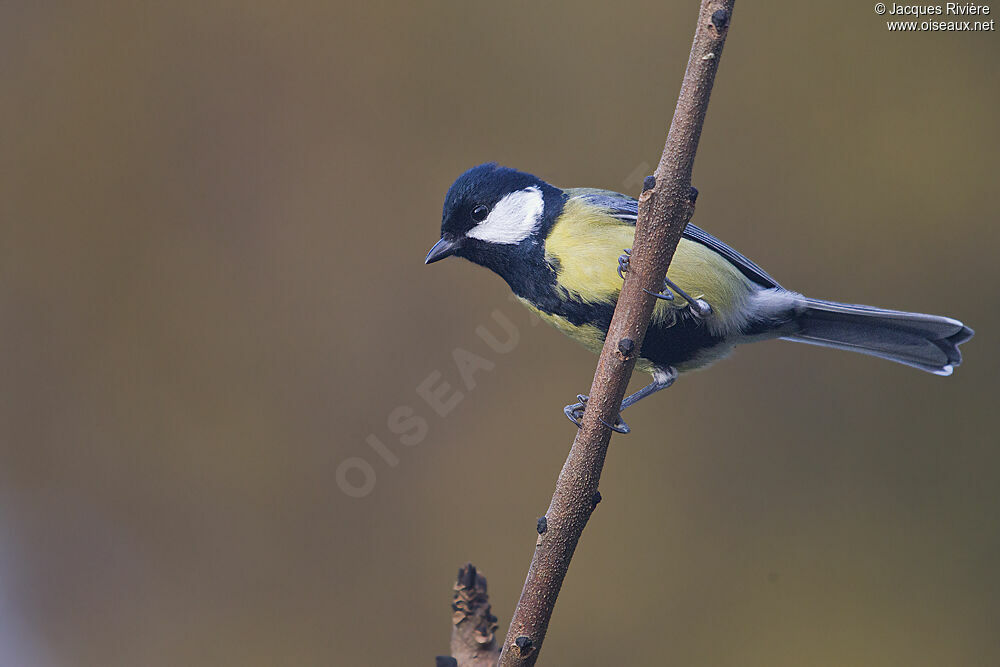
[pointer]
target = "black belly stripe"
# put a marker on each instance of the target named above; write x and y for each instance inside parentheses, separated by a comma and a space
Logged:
(672, 345)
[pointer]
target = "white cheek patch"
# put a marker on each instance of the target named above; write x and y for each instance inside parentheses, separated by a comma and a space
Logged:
(513, 219)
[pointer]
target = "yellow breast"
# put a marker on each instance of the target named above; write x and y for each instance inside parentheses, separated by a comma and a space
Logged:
(584, 246)
(588, 335)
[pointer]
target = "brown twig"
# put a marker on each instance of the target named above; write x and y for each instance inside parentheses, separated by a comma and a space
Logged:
(473, 630)
(664, 210)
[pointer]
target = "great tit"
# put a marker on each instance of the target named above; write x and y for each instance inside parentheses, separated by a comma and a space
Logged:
(560, 251)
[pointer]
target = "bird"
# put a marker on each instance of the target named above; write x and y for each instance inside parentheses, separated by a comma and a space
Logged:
(564, 252)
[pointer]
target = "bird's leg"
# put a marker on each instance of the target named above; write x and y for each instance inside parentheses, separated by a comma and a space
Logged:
(662, 378)
(699, 307)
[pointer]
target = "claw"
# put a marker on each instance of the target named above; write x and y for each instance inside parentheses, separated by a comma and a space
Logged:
(699, 307)
(619, 426)
(623, 263)
(574, 413)
(666, 295)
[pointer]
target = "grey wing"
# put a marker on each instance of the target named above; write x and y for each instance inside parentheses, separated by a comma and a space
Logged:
(626, 208)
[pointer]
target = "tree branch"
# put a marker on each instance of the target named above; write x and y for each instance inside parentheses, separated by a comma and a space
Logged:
(473, 638)
(665, 207)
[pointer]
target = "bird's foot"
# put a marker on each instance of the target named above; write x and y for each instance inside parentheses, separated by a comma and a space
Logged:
(623, 263)
(699, 307)
(574, 412)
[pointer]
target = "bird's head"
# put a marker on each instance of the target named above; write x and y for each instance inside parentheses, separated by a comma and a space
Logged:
(493, 215)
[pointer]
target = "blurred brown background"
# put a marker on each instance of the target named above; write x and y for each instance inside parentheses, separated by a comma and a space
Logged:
(214, 217)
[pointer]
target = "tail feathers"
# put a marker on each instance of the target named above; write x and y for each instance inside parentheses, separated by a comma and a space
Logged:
(927, 342)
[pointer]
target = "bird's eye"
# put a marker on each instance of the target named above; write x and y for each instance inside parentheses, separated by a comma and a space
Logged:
(479, 213)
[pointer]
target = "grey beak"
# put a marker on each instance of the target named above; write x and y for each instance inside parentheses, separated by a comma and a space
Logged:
(444, 248)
